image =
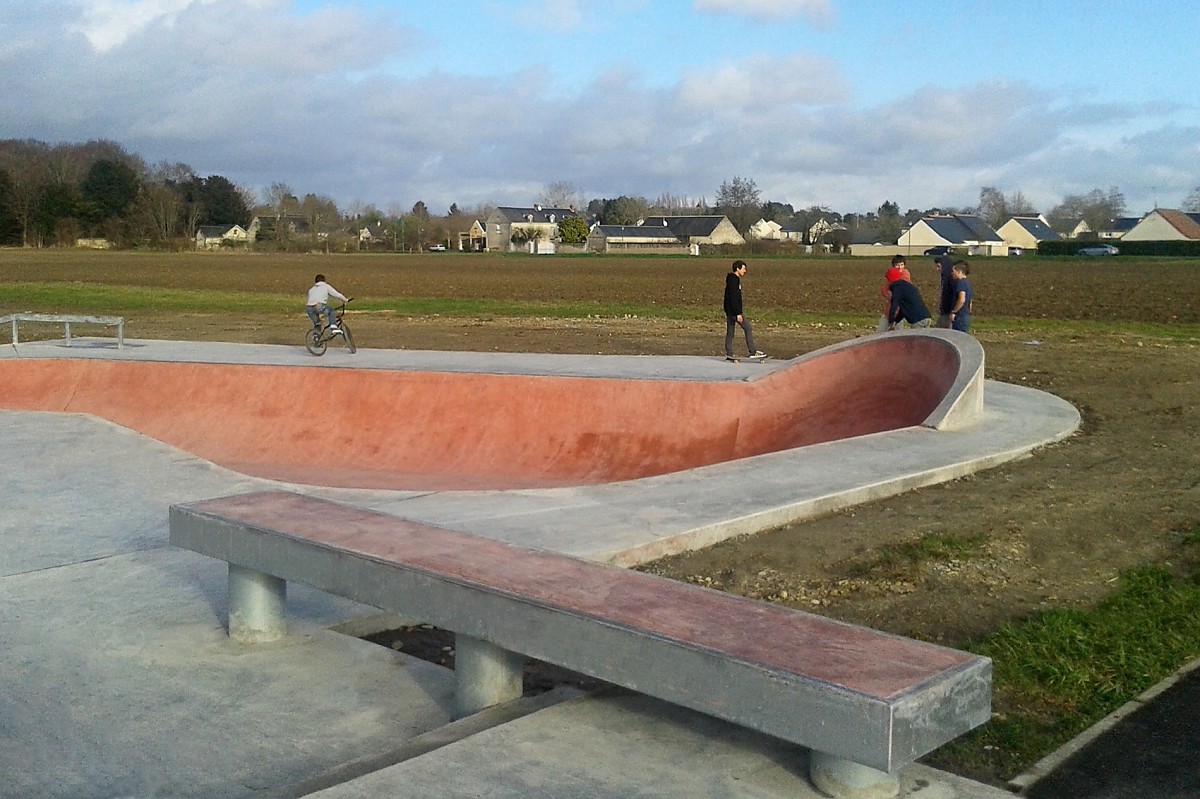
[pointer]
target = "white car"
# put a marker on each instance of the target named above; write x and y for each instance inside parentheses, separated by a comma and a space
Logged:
(438, 248)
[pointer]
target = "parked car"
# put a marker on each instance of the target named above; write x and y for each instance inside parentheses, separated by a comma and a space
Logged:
(938, 250)
(438, 248)
(1016, 250)
(1098, 249)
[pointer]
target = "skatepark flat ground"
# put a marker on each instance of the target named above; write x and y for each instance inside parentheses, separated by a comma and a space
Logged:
(118, 678)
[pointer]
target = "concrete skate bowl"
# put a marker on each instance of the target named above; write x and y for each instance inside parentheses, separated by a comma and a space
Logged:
(423, 431)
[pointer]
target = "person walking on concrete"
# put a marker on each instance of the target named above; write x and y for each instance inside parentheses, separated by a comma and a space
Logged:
(735, 313)
(318, 302)
(906, 305)
(960, 309)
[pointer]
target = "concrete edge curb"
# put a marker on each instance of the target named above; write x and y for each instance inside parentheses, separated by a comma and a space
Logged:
(1044, 767)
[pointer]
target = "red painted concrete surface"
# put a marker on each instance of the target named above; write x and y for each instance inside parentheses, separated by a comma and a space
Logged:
(857, 658)
(457, 431)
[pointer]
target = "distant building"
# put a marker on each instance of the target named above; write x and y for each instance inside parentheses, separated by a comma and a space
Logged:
(635, 239)
(1024, 232)
(708, 229)
(211, 237)
(1165, 224)
(765, 229)
(1115, 229)
(965, 231)
(533, 229)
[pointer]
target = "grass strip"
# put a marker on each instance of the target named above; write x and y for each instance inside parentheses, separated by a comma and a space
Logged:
(1062, 670)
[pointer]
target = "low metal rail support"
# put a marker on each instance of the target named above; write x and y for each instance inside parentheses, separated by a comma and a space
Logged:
(66, 320)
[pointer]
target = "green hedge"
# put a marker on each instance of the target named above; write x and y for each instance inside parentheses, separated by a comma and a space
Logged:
(1169, 249)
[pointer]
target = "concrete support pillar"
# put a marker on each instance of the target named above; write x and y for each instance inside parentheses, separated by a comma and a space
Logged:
(844, 779)
(484, 675)
(256, 606)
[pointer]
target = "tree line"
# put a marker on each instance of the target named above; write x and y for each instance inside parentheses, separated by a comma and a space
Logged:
(54, 195)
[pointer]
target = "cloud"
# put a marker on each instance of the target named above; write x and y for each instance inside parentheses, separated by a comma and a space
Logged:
(337, 102)
(819, 12)
(762, 82)
(109, 23)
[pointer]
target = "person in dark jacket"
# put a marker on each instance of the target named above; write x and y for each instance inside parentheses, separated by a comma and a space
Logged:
(735, 314)
(907, 305)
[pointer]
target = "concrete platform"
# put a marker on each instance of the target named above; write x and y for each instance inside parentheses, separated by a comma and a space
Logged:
(116, 677)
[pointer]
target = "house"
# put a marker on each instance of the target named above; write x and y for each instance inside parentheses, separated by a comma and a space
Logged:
(533, 229)
(375, 235)
(800, 230)
(473, 239)
(965, 231)
(211, 237)
(655, 239)
(1165, 224)
(1024, 232)
(697, 230)
(1115, 229)
(765, 229)
(277, 227)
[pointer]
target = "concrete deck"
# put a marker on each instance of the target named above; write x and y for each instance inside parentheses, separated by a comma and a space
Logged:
(117, 678)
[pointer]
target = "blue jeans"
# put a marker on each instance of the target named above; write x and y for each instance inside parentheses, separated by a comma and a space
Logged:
(314, 313)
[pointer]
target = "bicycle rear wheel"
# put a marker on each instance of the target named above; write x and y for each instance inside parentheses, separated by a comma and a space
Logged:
(349, 339)
(314, 342)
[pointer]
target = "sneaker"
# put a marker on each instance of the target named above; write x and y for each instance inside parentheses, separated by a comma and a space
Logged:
(758, 354)
(334, 329)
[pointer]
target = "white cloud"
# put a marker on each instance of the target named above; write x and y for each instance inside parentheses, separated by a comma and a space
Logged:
(338, 102)
(819, 12)
(759, 83)
(109, 23)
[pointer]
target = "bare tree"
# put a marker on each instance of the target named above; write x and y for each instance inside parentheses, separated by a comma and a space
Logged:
(561, 194)
(996, 208)
(738, 200)
(1191, 203)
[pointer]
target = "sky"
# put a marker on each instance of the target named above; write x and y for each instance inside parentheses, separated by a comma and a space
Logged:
(839, 103)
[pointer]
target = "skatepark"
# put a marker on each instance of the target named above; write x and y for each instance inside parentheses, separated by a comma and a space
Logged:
(119, 675)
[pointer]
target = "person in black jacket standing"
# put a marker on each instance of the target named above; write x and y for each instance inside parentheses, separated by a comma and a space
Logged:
(735, 314)
(906, 304)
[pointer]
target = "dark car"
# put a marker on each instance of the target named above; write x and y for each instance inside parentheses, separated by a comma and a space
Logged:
(938, 250)
(1098, 249)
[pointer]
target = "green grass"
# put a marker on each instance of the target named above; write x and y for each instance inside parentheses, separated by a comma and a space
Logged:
(1062, 670)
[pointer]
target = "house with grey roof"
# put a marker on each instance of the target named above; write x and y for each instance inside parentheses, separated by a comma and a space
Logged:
(963, 231)
(1114, 229)
(211, 237)
(635, 239)
(533, 229)
(697, 230)
(1024, 232)
(278, 227)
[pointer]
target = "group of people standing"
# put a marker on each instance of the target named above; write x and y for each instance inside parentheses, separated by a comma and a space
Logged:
(903, 304)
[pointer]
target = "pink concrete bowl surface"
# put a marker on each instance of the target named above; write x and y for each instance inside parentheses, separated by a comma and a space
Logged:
(464, 431)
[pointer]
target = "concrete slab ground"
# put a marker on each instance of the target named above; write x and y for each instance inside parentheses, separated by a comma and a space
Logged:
(117, 679)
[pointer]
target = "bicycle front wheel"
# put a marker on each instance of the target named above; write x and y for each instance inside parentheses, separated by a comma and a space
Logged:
(314, 342)
(349, 339)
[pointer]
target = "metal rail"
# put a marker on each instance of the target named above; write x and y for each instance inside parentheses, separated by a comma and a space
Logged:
(67, 320)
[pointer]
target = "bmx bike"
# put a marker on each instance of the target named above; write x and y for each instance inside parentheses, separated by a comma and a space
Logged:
(318, 338)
